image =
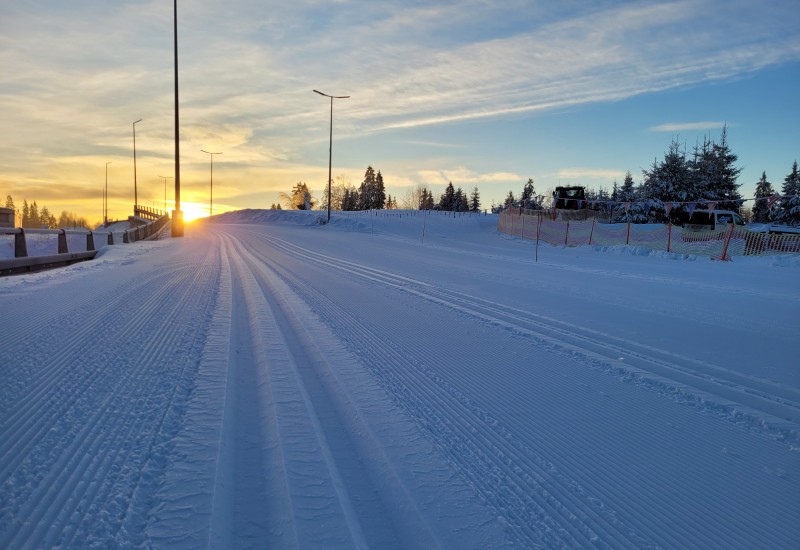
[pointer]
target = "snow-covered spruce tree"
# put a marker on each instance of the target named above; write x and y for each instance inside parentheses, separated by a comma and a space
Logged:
(788, 211)
(510, 200)
(379, 196)
(447, 198)
(761, 212)
(475, 200)
(463, 201)
(366, 189)
(528, 198)
(300, 198)
(722, 187)
(667, 181)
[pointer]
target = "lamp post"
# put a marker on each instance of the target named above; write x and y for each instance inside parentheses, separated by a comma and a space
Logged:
(330, 146)
(211, 203)
(165, 190)
(135, 190)
(105, 209)
(177, 215)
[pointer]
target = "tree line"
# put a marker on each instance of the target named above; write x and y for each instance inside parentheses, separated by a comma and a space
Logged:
(682, 182)
(34, 217)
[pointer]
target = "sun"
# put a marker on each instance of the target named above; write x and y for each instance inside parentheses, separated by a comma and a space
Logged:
(193, 211)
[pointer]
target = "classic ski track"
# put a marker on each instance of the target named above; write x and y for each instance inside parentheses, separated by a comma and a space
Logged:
(380, 277)
(23, 418)
(720, 386)
(96, 456)
(328, 412)
(452, 422)
(53, 321)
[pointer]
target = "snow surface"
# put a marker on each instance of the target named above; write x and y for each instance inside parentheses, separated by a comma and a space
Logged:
(398, 381)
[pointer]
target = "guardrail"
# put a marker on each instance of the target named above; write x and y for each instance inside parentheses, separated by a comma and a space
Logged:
(22, 261)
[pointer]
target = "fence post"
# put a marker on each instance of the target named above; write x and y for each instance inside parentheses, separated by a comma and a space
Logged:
(62, 242)
(20, 246)
(566, 234)
(727, 242)
(522, 215)
(669, 236)
(591, 232)
(628, 236)
(538, 230)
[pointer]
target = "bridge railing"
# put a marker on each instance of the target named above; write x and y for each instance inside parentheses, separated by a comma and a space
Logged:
(57, 244)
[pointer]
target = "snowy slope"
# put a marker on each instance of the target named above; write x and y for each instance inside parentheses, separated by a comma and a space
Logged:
(398, 381)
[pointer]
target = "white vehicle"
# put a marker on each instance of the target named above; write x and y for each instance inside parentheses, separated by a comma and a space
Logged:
(703, 220)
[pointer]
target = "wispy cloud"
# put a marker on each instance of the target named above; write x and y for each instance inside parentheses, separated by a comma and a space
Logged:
(577, 174)
(461, 176)
(687, 126)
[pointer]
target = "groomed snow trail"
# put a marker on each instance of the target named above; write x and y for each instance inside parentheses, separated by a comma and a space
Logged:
(282, 384)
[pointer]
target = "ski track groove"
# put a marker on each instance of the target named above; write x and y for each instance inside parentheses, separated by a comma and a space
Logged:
(459, 423)
(53, 320)
(24, 421)
(307, 374)
(90, 463)
(495, 313)
(568, 336)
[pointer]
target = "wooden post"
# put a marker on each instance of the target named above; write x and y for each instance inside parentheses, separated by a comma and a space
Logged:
(669, 236)
(591, 232)
(727, 242)
(628, 236)
(566, 234)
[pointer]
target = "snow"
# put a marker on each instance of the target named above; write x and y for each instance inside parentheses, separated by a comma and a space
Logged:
(398, 380)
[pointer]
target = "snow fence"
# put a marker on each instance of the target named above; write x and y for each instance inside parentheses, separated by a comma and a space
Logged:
(722, 244)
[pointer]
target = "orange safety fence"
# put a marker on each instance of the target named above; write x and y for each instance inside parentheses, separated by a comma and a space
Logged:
(723, 243)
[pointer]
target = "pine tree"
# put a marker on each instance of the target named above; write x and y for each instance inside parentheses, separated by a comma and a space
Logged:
(510, 200)
(10, 202)
(761, 212)
(788, 212)
(26, 214)
(34, 216)
(527, 200)
(446, 201)
(627, 192)
(724, 188)
(475, 200)
(300, 198)
(667, 181)
(379, 196)
(366, 191)
(46, 219)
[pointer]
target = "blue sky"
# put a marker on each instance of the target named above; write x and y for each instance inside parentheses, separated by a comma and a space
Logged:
(479, 93)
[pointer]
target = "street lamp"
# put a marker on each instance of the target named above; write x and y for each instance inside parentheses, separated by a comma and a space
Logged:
(211, 204)
(135, 190)
(105, 211)
(330, 146)
(165, 191)
(177, 215)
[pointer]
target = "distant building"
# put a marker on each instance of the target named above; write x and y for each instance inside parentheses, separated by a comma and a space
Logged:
(7, 217)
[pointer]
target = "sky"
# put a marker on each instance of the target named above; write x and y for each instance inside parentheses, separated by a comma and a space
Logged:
(484, 94)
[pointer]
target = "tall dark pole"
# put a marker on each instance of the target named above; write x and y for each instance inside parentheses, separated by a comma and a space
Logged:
(177, 215)
(165, 190)
(211, 204)
(330, 146)
(105, 213)
(135, 191)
